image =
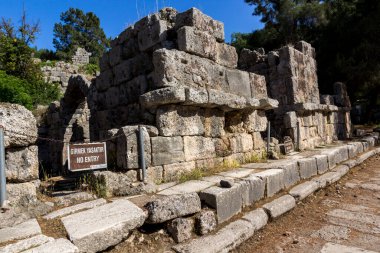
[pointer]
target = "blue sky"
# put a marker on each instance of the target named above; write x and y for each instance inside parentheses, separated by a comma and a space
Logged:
(116, 15)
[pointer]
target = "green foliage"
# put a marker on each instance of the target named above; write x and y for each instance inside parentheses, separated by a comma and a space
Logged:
(94, 184)
(29, 94)
(14, 90)
(45, 55)
(79, 29)
(89, 69)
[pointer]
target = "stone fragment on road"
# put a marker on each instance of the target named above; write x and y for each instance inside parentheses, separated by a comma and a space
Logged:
(104, 226)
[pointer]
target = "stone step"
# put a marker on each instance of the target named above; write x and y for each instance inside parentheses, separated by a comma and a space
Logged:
(23, 230)
(104, 226)
(57, 246)
(187, 187)
(26, 244)
(73, 209)
(334, 248)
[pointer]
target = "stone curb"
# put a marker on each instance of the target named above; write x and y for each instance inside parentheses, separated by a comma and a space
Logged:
(258, 218)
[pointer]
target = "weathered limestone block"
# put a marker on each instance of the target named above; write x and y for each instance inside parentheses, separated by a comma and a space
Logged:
(322, 163)
(226, 201)
(258, 86)
(196, 96)
(167, 150)
(178, 68)
(274, 180)
(238, 82)
(303, 190)
(60, 245)
(172, 172)
(20, 125)
(131, 91)
(112, 97)
(21, 195)
(181, 229)
(131, 68)
(305, 48)
(258, 218)
(226, 101)
(213, 123)
(226, 55)
(291, 173)
(196, 42)
(255, 121)
(194, 17)
(20, 231)
(99, 228)
(152, 34)
(169, 95)
(258, 142)
(197, 147)
(341, 95)
(255, 189)
(205, 222)
(327, 99)
(179, 120)
(127, 147)
(115, 55)
(25, 244)
(170, 207)
(116, 184)
(21, 164)
(308, 167)
(240, 143)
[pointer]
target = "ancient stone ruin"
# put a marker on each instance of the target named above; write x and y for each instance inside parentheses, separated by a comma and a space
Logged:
(62, 71)
(201, 105)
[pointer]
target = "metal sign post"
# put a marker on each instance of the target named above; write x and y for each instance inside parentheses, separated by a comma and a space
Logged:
(3, 190)
(268, 138)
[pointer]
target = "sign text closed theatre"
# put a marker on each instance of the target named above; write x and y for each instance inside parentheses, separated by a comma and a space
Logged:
(87, 156)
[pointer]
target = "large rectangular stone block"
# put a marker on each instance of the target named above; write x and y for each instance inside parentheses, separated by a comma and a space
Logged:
(167, 150)
(21, 164)
(130, 91)
(274, 180)
(226, 201)
(194, 17)
(322, 163)
(172, 172)
(253, 189)
(280, 206)
(256, 121)
(241, 143)
(180, 120)
(258, 86)
(169, 95)
(152, 34)
(213, 123)
(128, 69)
(226, 55)
(307, 167)
(99, 228)
(127, 147)
(238, 82)
(197, 148)
(291, 173)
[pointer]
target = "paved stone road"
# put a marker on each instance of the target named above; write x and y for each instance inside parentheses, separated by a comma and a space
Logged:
(343, 218)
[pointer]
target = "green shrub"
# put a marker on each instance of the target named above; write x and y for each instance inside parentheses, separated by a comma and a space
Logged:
(89, 69)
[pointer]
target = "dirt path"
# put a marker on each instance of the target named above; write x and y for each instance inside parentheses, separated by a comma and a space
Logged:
(346, 214)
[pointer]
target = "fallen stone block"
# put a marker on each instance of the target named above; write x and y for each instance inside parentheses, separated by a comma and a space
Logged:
(303, 190)
(280, 206)
(180, 229)
(274, 180)
(253, 189)
(307, 167)
(226, 201)
(26, 244)
(224, 240)
(258, 218)
(57, 246)
(23, 230)
(169, 95)
(205, 222)
(76, 208)
(104, 226)
(171, 207)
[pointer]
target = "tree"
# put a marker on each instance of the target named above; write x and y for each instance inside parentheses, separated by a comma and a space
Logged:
(78, 29)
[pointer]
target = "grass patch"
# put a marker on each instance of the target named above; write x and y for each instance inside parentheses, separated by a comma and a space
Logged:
(94, 184)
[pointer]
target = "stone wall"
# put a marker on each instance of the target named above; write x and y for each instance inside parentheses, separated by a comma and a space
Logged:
(172, 73)
(21, 154)
(200, 105)
(291, 75)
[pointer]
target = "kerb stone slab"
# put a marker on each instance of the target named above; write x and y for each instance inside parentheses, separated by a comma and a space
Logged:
(308, 167)
(303, 190)
(258, 218)
(57, 246)
(101, 227)
(274, 180)
(280, 206)
(23, 230)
